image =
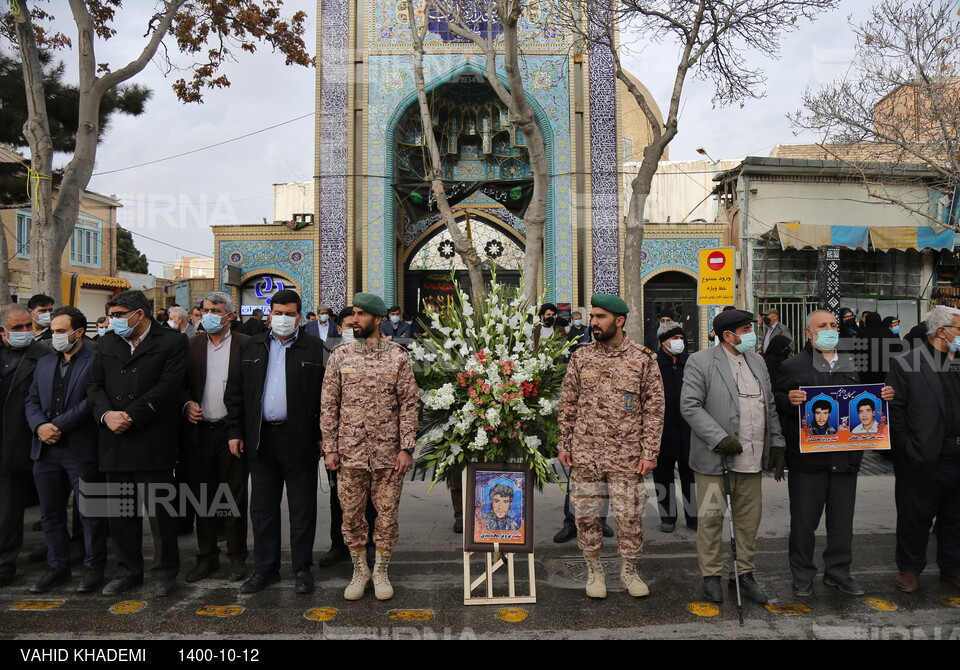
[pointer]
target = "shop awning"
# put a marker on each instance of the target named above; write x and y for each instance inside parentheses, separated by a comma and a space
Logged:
(879, 238)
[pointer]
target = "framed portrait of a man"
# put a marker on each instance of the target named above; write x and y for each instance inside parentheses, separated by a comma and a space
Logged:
(499, 508)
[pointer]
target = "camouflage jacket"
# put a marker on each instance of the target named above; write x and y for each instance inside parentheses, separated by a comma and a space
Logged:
(369, 404)
(611, 407)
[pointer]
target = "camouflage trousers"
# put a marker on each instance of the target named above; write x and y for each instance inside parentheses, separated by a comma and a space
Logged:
(382, 487)
(589, 489)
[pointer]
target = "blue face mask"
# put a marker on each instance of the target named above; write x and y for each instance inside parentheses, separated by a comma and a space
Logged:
(577, 322)
(395, 319)
(748, 342)
(323, 318)
(953, 346)
(121, 326)
(211, 323)
(896, 330)
(101, 331)
(19, 340)
(827, 340)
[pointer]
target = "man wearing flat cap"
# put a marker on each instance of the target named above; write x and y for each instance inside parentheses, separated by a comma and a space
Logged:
(774, 327)
(612, 393)
(368, 416)
(728, 401)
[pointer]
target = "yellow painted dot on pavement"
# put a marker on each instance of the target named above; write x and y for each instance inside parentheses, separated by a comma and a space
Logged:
(788, 609)
(219, 610)
(512, 614)
(320, 614)
(879, 604)
(410, 615)
(953, 601)
(37, 605)
(703, 609)
(128, 607)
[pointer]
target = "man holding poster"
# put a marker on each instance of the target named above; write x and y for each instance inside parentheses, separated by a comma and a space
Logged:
(826, 479)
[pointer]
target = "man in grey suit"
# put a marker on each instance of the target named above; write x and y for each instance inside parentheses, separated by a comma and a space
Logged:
(774, 327)
(728, 401)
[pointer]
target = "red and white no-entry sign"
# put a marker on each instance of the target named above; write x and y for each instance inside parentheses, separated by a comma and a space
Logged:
(716, 283)
(716, 260)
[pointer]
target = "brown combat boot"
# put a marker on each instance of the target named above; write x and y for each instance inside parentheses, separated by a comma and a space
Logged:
(596, 586)
(381, 583)
(631, 581)
(361, 575)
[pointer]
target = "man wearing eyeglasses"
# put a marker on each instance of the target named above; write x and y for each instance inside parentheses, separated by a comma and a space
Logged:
(925, 439)
(135, 386)
(728, 401)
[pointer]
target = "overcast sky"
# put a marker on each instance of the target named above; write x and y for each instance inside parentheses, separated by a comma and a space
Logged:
(175, 201)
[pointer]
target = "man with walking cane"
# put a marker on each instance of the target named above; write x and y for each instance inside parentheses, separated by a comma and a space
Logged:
(728, 401)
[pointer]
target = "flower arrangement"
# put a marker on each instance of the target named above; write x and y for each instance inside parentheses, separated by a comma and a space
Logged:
(488, 395)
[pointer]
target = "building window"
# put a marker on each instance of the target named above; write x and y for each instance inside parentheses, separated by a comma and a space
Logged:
(24, 225)
(303, 218)
(85, 244)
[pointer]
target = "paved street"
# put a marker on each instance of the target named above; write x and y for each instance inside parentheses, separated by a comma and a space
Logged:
(427, 573)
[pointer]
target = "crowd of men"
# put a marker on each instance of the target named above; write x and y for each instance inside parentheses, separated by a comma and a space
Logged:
(190, 415)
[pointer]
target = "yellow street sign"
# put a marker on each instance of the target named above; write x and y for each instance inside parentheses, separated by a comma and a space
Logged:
(219, 610)
(410, 615)
(512, 614)
(879, 604)
(37, 605)
(128, 607)
(703, 609)
(715, 285)
(320, 614)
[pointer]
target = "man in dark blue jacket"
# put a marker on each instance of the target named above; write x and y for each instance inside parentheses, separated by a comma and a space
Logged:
(819, 481)
(675, 442)
(64, 450)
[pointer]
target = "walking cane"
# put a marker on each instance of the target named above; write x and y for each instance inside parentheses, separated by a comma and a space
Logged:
(733, 533)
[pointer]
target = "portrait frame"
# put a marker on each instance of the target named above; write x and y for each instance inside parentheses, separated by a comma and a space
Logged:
(517, 532)
(847, 434)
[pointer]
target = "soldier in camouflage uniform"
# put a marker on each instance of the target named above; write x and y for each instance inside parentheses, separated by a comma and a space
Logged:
(368, 417)
(611, 393)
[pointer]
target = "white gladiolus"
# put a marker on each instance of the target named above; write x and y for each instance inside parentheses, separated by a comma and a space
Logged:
(532, 441)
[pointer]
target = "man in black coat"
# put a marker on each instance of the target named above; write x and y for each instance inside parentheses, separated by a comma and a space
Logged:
(135, 390)
(822, 480)
(675, 441)
(273, 420)
(64, 451)
(19, 354)
(925, 437)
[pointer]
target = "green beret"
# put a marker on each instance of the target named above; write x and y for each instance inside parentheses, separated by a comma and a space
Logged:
(611, 303)
(370, 303)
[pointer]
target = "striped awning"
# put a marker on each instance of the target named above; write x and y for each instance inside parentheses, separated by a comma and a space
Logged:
(879, 238)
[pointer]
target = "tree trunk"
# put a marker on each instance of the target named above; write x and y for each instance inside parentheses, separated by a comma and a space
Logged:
(463, 245)
(4, 269)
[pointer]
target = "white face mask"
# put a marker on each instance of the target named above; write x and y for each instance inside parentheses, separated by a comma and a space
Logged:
(61, 342)
(348, 334)
(676, 347)
(44, 319)
(283, 326)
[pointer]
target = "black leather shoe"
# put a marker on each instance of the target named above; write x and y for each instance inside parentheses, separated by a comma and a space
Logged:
(201, 570)
(458, 526)
(607, 530)
(802, 587)
(164, 586)
(304, 581)
(92, 580)
(51, 579)
(565, 534)
(749, 589)
(711, 589)
(122, 583)
(846, 584)
(335, 555)
(238, 570)
(259, 582)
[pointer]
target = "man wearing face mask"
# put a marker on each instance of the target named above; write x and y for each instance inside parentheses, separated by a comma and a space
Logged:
(64, 451)
(321, 327)
(19, 354)
(41, 307)
(773, 327)
(369, 419)
(545, 329)
(394, 326)
(211, 357)
(273, 421)
(135, 389)
(675, 443)
(925, 438)
(821, 481)
(728, 401)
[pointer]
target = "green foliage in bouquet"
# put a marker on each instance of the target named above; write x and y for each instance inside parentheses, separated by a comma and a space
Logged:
(487, 394)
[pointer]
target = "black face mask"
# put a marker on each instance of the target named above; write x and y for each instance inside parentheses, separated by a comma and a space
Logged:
(766, 320)
(548, 322)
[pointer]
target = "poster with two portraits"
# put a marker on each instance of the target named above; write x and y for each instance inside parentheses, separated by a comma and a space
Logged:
(844, 418)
